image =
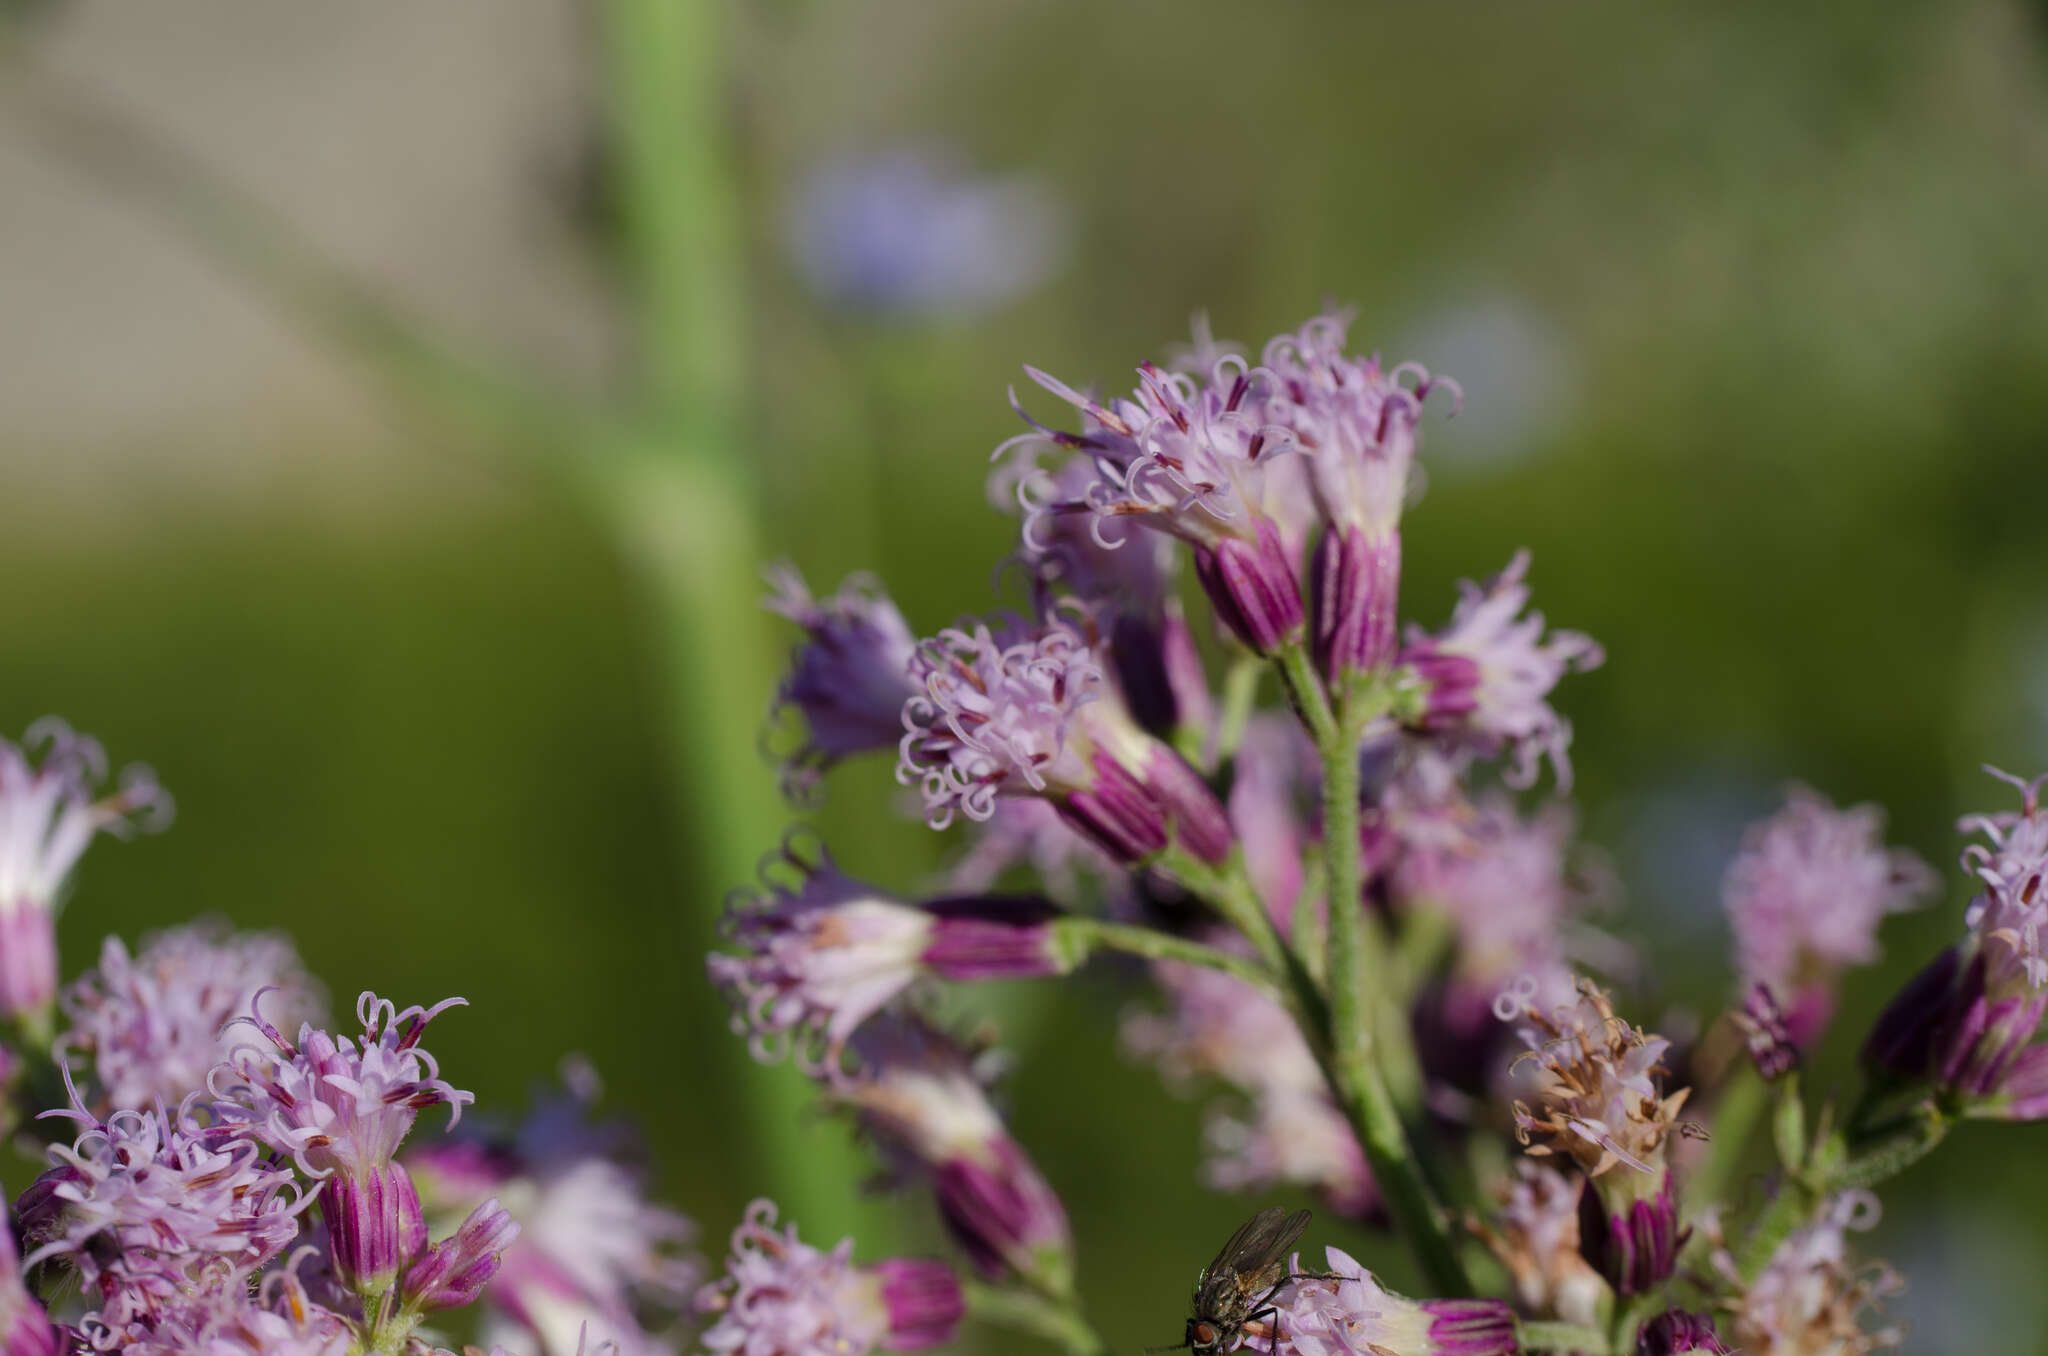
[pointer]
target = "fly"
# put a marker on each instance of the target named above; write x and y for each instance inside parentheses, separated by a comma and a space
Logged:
(1238, 1287)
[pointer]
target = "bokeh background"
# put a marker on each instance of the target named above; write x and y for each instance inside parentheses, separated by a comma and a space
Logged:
(1748, 301)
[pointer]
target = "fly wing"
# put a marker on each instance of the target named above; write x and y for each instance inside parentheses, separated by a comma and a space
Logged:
(1253, 1252)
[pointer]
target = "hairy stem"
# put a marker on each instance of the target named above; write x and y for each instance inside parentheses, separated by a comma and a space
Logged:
(1084, 935)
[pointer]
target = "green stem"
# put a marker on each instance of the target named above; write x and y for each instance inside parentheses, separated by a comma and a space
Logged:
(1030, 1312)
(1742, 1101)
(1789, 1209)
(1080, 936)
(1240, 688)
(1571, 1337)
(1305, 691)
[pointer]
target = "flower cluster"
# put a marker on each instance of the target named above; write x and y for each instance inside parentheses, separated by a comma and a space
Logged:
(1347, 1312)
(216, 1185)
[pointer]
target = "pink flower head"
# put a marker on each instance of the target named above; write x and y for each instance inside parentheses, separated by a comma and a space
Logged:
(820, 952)
(150, 1026)
(2011, 907)
(920, 1095)
(1187, 456)
(782, 1297)
(1535, 1235)
(143, 1199)
(1486, 676)
(1806, 896)
(1353, 421)
(1589, 1086)
(595, 1258)
(221, 1316)
(48, 814)
(1215, 1026)
(1349, 1313)
(1811, 1295)
(849, 678)
(337, 1104)
(1028, 712)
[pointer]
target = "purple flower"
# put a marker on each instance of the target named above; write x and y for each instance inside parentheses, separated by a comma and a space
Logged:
(1764, 1030)
(850, 676)
(1215, 1026)
(782, 1297)
(1484, 678)
(139, 1203)
(1505, 883)
(1029, 713)
(594, 1256)
(336, 1104)
(821, 952)
(1535, 1235)
(47, 817)
(1349, 1313)
(1188, 456)
(1675, 1332)
(1806, 896)
(1811, 1296)
(25, 1328)
(1590, 1092)
(918, 1093)
(1357, 427)
(221, 1317)
(150, 1026)
(1966, 1021)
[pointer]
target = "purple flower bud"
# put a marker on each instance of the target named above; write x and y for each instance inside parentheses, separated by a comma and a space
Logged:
(849, 678)
(1029, 714)
(924, 1300)
(454, 1271)
(1764, 1030)
(1675, 1332)
(1349, 1313)
(918, 1093)
(337, 1104)
(822, 952)
(25, 1329)
(374, 1225)
(1630, 1232)
(1254, 587)
(782, 1297)
(47, 817)
(1806, 896)
(1902, 1041)
(1357, 583)
(1485, 677)
(152, 1026)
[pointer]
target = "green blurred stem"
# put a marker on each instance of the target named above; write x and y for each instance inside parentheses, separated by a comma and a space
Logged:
(1028, 1311)
(1742, 1101)
(1564, 1337)
(1084, 935)
(683, 505)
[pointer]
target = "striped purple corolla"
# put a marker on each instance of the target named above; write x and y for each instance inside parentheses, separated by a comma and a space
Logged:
(819, 952)
(1026, 710)
(782, 1297)
(1676, 1332)
(49, 813)
(920, 1095)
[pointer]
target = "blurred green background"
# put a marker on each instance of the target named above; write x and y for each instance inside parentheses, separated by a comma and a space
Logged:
(1749, 305)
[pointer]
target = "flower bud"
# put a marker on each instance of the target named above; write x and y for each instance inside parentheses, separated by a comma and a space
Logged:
(374, 1225)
